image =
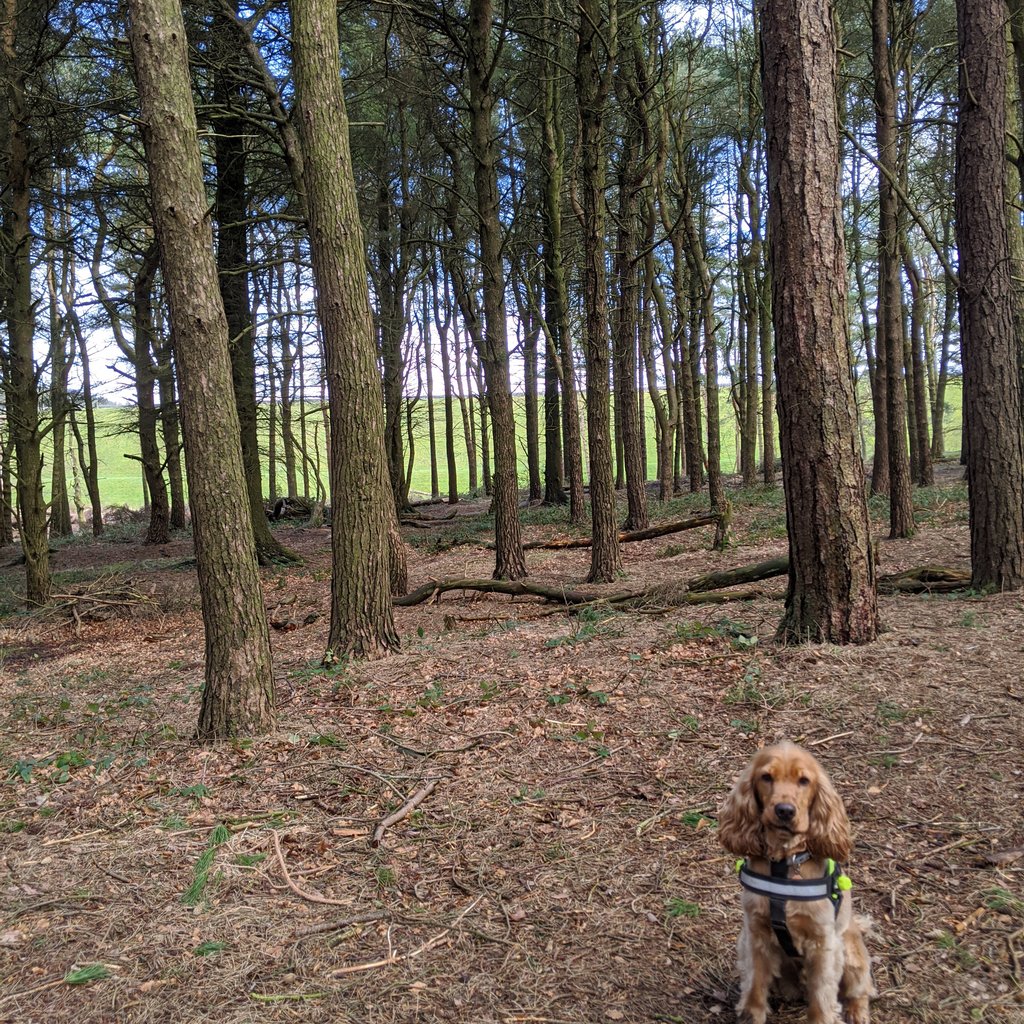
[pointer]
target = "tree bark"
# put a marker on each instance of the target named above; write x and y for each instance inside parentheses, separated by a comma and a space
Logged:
(239, 693)
(592, 87)
(992, 399)
(509, 563)
(831, 595)
(20, 380)
(890, 299)
(231, 212)
(362, 621)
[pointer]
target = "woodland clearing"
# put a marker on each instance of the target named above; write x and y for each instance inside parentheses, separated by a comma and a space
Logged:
(561, 865)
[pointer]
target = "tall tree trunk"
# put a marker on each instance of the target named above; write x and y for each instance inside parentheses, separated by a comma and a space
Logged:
(362, 620)
(231, 211)
(532, 327)
(239, 693)
(918, 315)
(510, 563)
(630, 175)
(159, 531)
(992, 396)
(60, 506)
(443, 323)
(831, 595)
(88, 448)
(20, 380)
(593, 84)
(890, 300)
(560, 354)
(170, 425)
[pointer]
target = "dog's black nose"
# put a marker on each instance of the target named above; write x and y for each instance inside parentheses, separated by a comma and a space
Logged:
(785, 812)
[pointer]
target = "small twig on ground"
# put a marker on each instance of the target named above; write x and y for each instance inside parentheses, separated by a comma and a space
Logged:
(829, 739)
(393, 958)
(334, 926)
(312, 897)
(403, 812)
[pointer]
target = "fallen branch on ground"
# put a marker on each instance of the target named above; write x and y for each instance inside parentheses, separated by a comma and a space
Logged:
(313, 897)
(707, 588)
(403, 812)
(627, 536)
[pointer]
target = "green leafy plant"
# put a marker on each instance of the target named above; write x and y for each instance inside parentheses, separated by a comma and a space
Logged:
(676, 906)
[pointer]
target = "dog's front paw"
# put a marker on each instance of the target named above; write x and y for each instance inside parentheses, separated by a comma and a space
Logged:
(749, 1012)
(857, 1012)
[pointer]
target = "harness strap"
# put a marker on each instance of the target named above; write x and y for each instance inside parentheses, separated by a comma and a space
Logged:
(777, 907)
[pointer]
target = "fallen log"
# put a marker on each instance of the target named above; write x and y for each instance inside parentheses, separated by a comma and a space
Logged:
(925, 579)
(512, 588)
(627, 536)
(661, 596)
(741, 574)
(707, 588)
(426, 522)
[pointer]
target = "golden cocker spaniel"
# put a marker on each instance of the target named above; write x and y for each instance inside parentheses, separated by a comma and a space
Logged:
(786, 820)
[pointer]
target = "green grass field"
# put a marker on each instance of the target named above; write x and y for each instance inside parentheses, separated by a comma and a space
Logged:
(121, 477)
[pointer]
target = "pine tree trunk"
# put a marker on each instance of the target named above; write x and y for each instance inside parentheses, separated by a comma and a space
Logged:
(831, 594)
(992, 397)
(20, 381)
(159, 531)
(60, 505)
(592, 88)
(510, 563)
(170, 426)
(443, 325)
(890, 300)
(239, 693)
(630, 174)
(231, 213)
(362, 621)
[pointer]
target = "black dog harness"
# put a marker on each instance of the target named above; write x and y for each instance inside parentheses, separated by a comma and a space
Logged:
(780, 888)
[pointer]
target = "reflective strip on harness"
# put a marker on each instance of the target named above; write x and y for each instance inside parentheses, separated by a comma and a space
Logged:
(785, 888)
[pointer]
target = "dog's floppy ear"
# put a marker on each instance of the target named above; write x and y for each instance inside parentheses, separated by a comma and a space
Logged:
(829, 831)
(739, 820)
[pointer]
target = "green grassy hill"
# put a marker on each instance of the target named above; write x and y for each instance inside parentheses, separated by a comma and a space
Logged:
(121, 477)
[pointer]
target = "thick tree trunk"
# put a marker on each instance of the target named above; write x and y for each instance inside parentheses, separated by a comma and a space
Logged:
(239, 693)
(992, 398)
(362, 621)
(831, 595)
(20, 380)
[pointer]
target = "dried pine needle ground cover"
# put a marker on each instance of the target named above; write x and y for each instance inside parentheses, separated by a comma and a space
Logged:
(562, 864)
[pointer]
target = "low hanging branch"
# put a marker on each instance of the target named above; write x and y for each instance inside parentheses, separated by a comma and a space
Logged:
(626, 536)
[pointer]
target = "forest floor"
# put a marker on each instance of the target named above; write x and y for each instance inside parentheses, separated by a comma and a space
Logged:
(564, 867)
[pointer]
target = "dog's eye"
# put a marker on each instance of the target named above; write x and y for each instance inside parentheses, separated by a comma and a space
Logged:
(804, 781)
(766, 777)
